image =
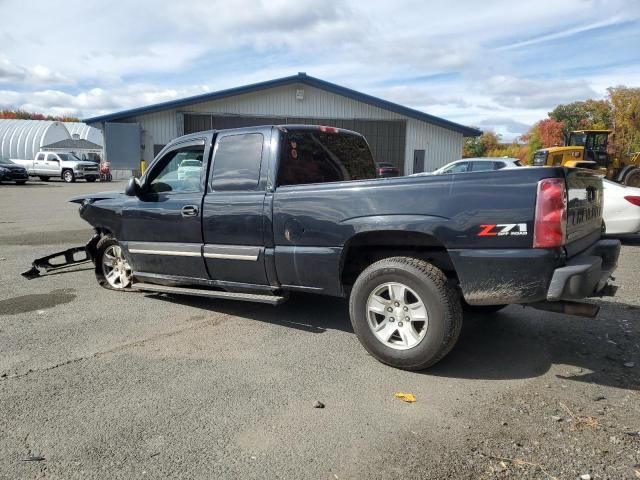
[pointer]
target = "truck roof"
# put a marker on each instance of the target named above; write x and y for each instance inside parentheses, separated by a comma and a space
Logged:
(282, 127)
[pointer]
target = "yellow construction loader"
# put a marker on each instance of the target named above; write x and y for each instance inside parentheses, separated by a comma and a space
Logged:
(588, 149)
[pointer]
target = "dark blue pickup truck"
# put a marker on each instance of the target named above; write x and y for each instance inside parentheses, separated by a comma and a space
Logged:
(256, 213)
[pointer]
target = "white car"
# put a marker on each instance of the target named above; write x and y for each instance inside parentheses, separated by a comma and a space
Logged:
(480, 164)
(621, 213)
(189, 168)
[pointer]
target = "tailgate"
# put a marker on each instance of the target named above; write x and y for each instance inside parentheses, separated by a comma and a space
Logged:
(584, 208)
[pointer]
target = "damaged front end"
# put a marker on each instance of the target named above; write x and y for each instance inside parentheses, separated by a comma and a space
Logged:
(61, 260)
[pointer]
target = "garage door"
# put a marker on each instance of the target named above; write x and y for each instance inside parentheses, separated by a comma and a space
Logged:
(122, 145)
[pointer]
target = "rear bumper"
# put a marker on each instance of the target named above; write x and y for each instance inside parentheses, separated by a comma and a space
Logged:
(493, 277)
(586, 274)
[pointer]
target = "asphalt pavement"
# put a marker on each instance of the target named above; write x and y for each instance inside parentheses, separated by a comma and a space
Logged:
(101, 384)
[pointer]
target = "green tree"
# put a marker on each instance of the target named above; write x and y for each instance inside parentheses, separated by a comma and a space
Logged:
(587, 114)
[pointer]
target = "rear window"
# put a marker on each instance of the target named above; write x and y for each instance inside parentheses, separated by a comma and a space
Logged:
(319, 157)
(482, 166)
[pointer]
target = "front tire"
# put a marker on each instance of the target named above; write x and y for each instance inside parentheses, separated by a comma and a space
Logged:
(113, 272)
(68, 176)
(405, 312)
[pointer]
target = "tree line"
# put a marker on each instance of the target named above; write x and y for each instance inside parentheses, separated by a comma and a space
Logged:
(618, 112)
(23, 115)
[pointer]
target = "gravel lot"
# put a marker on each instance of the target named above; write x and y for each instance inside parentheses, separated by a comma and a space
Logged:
(100, 384)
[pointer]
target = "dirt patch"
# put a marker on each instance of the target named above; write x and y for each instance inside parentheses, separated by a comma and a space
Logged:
(36, 301)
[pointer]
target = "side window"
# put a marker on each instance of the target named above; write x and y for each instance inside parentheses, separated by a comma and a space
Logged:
(178, 171)
(482, 166)
(40, 157)
(499, 165)
(236, 162)
(458, 168)
(310, 157)
(52, 157)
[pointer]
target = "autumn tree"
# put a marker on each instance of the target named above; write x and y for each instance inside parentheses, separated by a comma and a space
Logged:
(23, 115)
(625, 105)
(550, 132)
(479, 146)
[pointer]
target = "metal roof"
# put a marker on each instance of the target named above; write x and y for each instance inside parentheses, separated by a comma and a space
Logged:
(21, 139)
(73, 144)
(302, 78)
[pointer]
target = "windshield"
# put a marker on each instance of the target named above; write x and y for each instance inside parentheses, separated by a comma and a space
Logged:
(577, 139)
(68, 157)
(6, 161)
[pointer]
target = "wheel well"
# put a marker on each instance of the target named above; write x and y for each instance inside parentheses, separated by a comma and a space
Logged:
(366, 248)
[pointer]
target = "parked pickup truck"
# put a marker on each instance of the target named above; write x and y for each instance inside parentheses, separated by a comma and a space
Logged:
(281, 209)
(64, 165)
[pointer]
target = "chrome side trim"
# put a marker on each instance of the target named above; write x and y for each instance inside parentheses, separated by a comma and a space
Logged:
(227, 256)
(164, 252)
(165, 248)
(232, 252)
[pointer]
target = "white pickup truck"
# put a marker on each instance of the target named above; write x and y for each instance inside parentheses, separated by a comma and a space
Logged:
(64, 165)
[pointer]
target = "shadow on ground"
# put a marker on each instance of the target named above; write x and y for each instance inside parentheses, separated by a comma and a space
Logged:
(516, 343)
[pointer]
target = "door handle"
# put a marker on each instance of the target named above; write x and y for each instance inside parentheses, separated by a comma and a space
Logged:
(189, 211)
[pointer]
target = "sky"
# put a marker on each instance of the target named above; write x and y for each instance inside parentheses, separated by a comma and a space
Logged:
(496, 65)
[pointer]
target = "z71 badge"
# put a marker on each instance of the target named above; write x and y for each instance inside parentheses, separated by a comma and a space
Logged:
(502, 229)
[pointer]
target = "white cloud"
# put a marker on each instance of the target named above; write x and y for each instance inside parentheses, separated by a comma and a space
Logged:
(513, 92)
(127, 55)
(95, 101)
(37, 74)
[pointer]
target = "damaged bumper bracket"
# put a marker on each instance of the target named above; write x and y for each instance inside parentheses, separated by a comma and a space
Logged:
(59, 260)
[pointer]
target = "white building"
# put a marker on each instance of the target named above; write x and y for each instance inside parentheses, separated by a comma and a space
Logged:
(412, 140)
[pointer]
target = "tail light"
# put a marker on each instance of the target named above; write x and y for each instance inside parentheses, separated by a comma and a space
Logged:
(551, 214)
(324, 129)
(633, 199)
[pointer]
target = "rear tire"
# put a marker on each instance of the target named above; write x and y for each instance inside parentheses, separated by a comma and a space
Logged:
(44, 179)
(112, 269)
(416, 290)
(632, 179)
(20, 182)
(68, 176)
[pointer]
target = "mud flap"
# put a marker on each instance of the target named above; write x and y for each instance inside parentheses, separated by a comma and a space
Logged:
(65, 259)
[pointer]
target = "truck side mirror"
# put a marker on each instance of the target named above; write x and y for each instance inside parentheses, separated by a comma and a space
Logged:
(133, 187)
